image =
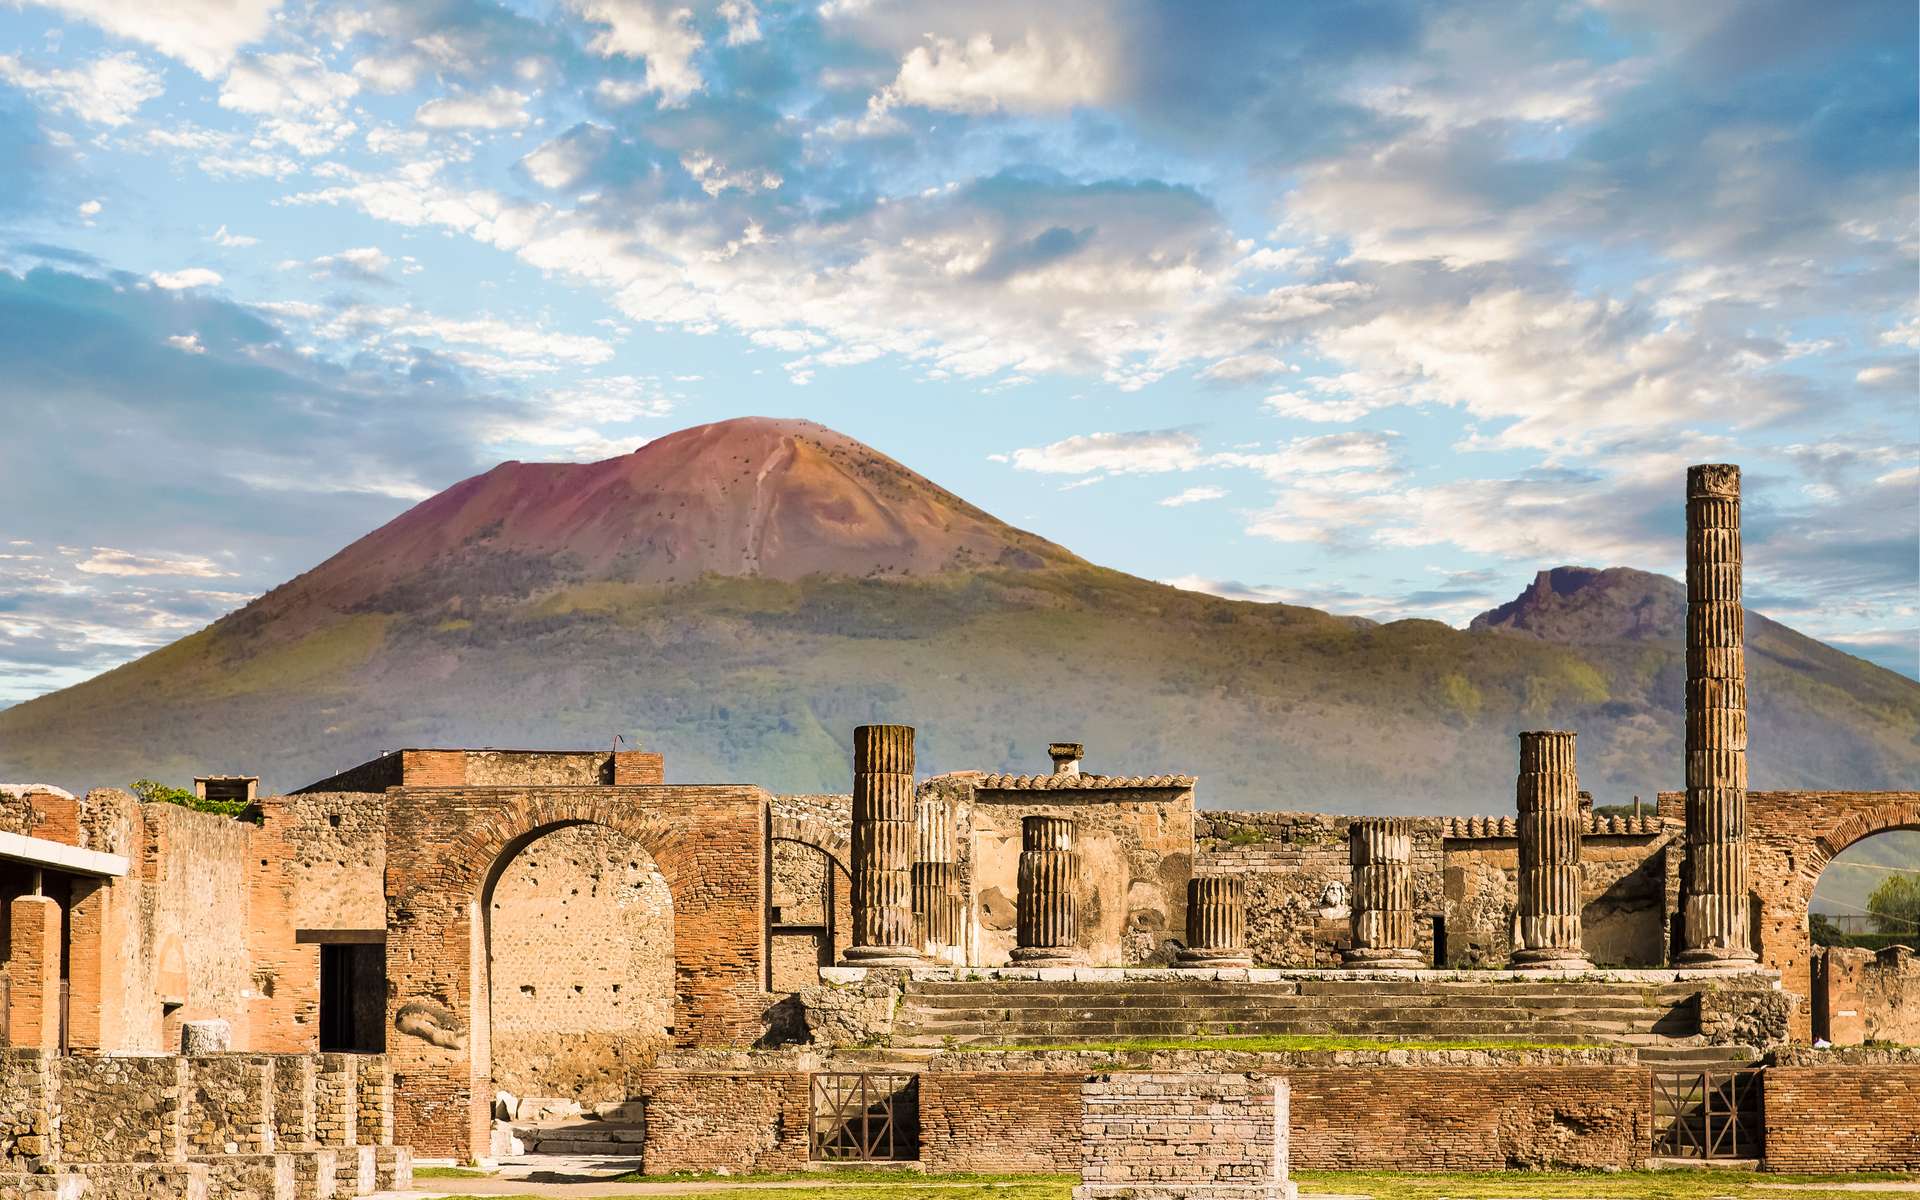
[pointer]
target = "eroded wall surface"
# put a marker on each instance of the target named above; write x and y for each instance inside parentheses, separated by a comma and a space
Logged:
(1862, 996)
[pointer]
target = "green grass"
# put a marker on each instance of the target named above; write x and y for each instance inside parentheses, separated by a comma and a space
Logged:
(451, 1173)
(1271, 1043)
(902, 1175)
(1621, 1185)
(912, 1188)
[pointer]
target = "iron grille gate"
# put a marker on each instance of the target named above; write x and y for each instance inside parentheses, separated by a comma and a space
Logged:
(1708, 1114)
(864, 1117)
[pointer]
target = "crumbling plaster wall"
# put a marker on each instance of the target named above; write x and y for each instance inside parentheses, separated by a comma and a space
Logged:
(1862, 996)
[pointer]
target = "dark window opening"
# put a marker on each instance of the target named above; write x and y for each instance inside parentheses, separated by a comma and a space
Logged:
(353, 998)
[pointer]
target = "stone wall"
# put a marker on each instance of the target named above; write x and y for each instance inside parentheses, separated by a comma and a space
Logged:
(496, 768)
(26, 1112)
(1860, 996)
(582, 965)
(724, 1121)
(1013, 1121)
(230, 1104)
(1843, 1118)
(121, 1109)
(1185, 1131)
(1136, 854)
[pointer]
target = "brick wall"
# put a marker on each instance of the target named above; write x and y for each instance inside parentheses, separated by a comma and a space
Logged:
(188, 929)
(582, 965)
(1163, 1130)
(1860, 995)
(1843, 1118)
(1013, 1121)
(442, 846)
(725, 1121)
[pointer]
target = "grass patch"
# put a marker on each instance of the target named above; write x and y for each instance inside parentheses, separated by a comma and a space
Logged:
(451, 1173)
(920, 1188)
(1270, 1043)
(903, 1176)
(1619, 1185)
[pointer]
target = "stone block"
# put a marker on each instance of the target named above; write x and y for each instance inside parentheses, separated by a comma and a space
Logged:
(392, 1168)
(148, 1181)
(247, 1176)
(205, 1037)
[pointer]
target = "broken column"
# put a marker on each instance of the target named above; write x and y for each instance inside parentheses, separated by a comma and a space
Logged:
(936, 880)
(1216, 922)
(1048, 923)
(1713, 878)
(1546, 920)
(884, 838)
(1380, 850)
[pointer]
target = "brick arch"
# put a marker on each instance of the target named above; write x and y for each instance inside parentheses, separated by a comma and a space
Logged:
(444, 848)
(1858, 827)
(808, 830)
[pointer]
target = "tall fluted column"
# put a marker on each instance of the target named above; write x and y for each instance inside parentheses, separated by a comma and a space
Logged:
(1713, 880)
(884, 837)
(1048, 924)
(1380, 850)
(1216, 922)
(936, 880)
(1546, 921)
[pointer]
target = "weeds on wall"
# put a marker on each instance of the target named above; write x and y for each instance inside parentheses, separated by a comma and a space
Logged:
(148, 791)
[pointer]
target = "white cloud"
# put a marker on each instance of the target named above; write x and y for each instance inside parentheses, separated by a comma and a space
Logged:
(89, 210)
(1244, 368)
(191, 277)
(1144, 452)
(362, 264)
(1032, 74)
(390, 73)
(107, 91)
(563, 161)
(189, 342)
(743, 21)
(105, 560)
(204, 34)
(486, 343)
(285, 85)
(236, 240)
(663, 36)
(495, 108)
(1193, 495)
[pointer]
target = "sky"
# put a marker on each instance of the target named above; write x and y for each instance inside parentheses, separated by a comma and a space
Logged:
(1375, 306)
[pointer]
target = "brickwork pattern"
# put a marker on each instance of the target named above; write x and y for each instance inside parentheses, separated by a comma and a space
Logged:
(1012, 1121)
(725, 1121)
(1843, 1118)
(1863, 996)
(709, 845)
(1189, 1133)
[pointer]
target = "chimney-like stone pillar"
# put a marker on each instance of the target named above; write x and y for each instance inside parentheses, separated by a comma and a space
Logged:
(885, 835)
(1216, 922)
(1546, 919)
(1713, 878)
(937, 906)
(1380, 850)
(1048, 921)
(1066, 757)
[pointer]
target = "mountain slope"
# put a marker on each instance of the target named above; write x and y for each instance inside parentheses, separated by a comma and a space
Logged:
(741, 595)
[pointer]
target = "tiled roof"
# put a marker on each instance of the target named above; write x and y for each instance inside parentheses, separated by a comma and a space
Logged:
(1081, 782)
(1503, 827)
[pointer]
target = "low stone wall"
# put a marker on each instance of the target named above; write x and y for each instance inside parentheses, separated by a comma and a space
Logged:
(230, 1104)
(1000, 1121)
(121, 1109)
(1860, 995)
(293, 1101)
(26, 1117)
(1843, 1118)
(1189, 1135)
(724, 1121)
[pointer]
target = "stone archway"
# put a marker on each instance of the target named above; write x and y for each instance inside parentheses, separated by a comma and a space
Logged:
(444, 848)
(1792, 837)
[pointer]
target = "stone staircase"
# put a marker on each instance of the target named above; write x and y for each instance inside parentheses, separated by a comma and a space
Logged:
(1021, 1012)
(616, 1131)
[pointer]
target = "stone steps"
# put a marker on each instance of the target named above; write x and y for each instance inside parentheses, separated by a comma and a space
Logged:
(604, 1138)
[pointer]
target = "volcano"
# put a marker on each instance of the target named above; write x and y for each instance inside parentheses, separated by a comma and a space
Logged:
(740, 595)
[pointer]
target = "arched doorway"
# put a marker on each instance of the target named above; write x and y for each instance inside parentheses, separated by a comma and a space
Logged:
(1864, 924)
(579, 965)
(811, 915)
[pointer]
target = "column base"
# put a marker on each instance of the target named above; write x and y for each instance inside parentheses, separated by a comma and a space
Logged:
(882, 956)
(1382, 960)
(1709, 958)
(1197, 958)
(1046, 956)
(1549, 959)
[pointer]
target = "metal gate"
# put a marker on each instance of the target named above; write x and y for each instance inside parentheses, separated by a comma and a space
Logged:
(864, 1117)
(1708, 1114)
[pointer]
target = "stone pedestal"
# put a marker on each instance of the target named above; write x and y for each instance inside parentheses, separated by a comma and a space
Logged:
(1216, 923)
(1380, 850)
(205, 1037)
(1546, 922)
(1184, 1136)
(1713, 876)
(1048, 921)
(884, 839)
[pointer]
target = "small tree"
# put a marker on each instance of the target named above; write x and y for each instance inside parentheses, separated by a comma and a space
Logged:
(1895, 905)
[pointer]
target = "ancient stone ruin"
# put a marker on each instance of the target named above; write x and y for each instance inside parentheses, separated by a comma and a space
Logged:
(473, 953)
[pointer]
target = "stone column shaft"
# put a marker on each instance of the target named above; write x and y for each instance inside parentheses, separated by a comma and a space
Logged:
(885, 835)
(1216, 922)
(1546, 922)
(1048, 920)
(1380, 850)
(1713, 883)
(937, 902)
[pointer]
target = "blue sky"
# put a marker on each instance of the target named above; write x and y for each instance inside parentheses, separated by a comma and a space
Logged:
(1377, 306)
